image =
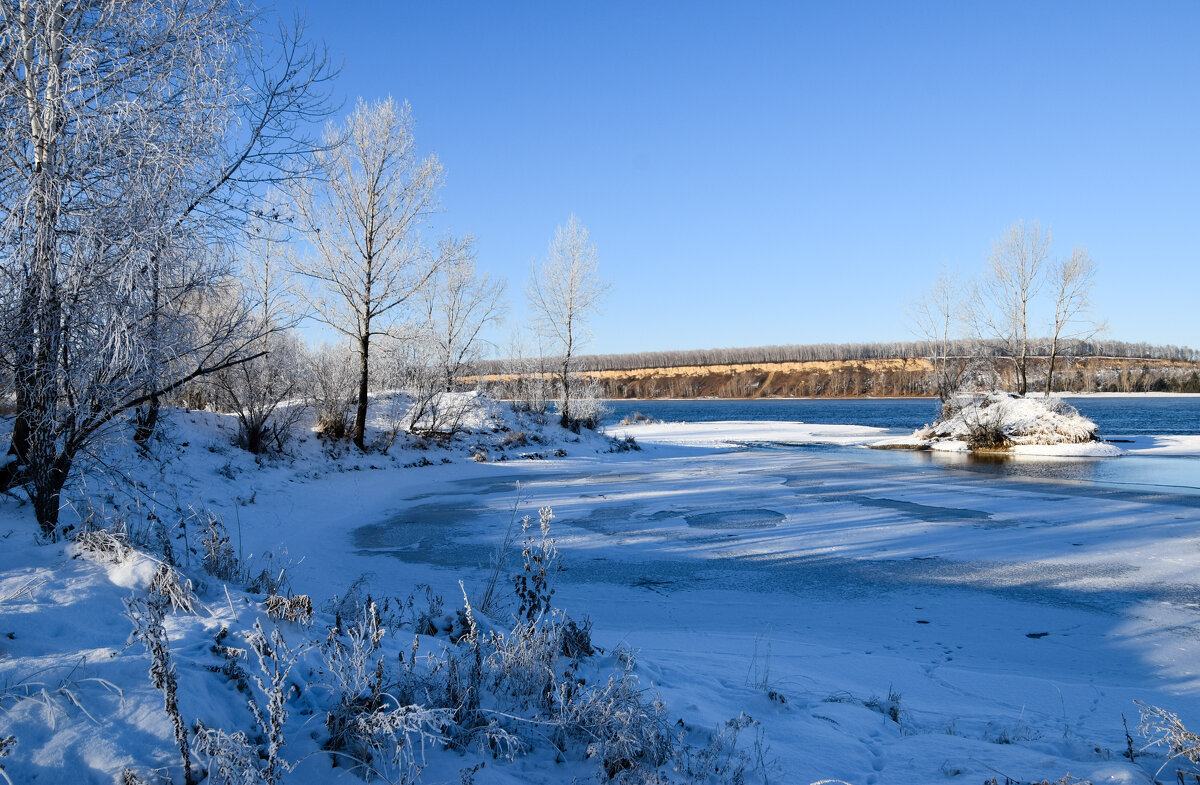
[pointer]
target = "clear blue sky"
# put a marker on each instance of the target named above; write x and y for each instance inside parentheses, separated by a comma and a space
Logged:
(795, 172)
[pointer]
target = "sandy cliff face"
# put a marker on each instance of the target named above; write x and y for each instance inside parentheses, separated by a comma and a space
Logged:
(884, 377)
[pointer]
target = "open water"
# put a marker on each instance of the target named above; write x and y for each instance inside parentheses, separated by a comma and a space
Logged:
(1119, 419)
(1116, 416)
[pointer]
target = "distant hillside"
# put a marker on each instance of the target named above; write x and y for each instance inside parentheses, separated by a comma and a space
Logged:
(876, 369)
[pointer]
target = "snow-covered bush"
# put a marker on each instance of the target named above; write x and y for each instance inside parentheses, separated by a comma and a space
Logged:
(104, 545)
(369, 728)
(265, 393)
(330, 374)
(1163, 728)
(297, 609)
(227, 758)
(588, 409)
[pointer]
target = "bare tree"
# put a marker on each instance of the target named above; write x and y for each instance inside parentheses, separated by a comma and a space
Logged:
(266, 392)
(1001, 304)
(364, 221)
(934, 315)
(522, 377)
(563, 294)
(1071, 280)
(456, 307)
(131, 134)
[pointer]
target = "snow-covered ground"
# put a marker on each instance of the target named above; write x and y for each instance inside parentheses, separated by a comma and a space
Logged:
(883, 622)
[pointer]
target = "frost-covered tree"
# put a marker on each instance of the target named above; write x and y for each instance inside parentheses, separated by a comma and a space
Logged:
(455, 308)
(1071, 282)
(935, 315)
(564, 293)
(1002, 302)
(364, 218)
(132, 136)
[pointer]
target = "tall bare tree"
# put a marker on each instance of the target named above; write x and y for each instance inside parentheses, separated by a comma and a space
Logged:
(935, 315)
(1001, 303)
(364, 219)
(564, 293)
(456, 307)
(1071, 282)
(132, 134)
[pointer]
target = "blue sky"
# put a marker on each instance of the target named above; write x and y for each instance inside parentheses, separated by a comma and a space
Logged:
(794, 172)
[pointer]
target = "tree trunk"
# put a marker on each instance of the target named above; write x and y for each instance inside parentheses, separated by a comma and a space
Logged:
(565, 380)
(46, 489)
(16, 471)
(146, 419)
(255, 437)
(360, 413)
(1050, 368)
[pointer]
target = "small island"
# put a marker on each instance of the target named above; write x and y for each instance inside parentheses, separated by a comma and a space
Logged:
(1005, 423)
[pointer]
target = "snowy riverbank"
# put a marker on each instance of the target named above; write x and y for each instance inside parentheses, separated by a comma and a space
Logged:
(881, 623)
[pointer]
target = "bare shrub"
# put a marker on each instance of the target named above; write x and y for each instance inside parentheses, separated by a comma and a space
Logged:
(264, 393)
(266, 574)
(514, 439)
(297, 608)
(177, 590)
(723, 757)
(331, 392)
(623, 728)
(625, 444)
(986, 428)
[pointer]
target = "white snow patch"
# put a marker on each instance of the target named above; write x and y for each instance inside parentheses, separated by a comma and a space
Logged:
(737, 433)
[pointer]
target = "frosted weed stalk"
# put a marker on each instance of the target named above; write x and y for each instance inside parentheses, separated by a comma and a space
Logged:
(488, 600)
(233, 758)
(540, 563)
(1165, 728)
(147, 614)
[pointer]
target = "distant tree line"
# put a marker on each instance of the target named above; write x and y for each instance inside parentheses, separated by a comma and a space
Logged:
(847, 352)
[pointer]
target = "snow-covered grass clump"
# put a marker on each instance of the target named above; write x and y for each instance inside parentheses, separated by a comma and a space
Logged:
(998, 421)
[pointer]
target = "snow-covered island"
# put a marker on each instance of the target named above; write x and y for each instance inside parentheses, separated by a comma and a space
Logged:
(999, 422)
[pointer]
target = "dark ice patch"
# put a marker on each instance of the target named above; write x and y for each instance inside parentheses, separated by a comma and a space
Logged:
(736, 519)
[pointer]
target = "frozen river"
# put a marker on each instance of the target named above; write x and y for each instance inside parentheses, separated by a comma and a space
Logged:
(1030, 607)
